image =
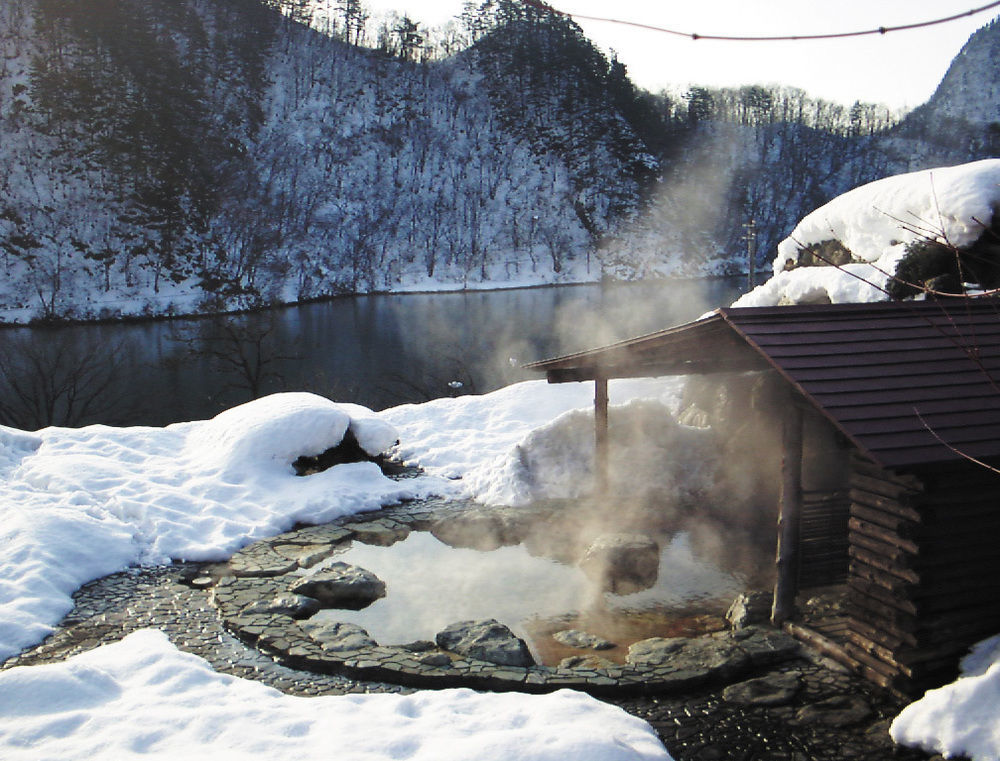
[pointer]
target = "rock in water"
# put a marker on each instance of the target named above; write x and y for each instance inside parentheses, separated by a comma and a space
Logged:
(582, 640)
(342, 586)
(622, 563)
(486, 640)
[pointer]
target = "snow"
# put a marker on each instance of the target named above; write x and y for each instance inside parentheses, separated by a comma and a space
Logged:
(959, 719)
(482, 439)
(82, 503)
(875, 222)
(143, 696)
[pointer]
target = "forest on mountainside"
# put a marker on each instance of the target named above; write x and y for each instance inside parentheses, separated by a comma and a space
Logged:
(198, 156)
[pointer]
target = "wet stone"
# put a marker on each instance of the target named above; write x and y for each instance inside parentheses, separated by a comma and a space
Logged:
(291, 605)
(419, 646)
(486, 640)
(339, 637)
(681, 658)
(836, 711)
(586, 662)
(765, 646)
(434, 659)
(342, 585)
(266, 564)
(750, 608)
(582, 640)
(770, 690)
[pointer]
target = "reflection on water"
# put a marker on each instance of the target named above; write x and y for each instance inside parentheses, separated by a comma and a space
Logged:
(431, 584)
(377, 350)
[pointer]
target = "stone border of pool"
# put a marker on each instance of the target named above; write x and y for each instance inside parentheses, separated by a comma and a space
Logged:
(258, 572)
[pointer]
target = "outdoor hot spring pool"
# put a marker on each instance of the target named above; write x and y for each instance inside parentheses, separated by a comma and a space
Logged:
(546, 570)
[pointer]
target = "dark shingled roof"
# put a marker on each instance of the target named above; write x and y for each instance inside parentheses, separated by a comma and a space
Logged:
(894, 377)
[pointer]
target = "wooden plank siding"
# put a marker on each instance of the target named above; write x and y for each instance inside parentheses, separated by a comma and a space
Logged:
(924, 574)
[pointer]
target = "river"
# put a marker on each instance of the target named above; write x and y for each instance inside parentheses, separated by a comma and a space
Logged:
(378, 350)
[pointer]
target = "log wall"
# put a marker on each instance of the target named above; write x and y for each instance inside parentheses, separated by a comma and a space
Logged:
(924, 571)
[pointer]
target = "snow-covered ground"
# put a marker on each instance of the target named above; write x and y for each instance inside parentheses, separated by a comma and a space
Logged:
(82, 503)
(143, 697)
(962, 718)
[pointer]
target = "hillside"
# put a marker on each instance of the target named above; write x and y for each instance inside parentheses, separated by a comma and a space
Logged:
(212, 154)
(206, 155)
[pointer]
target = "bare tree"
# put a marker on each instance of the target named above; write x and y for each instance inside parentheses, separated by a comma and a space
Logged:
(244, 349)
(53, 376)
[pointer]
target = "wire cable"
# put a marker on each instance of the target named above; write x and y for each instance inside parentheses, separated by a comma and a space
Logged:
(882, 30)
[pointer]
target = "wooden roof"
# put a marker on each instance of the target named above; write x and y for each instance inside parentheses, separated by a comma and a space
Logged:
(889, 375)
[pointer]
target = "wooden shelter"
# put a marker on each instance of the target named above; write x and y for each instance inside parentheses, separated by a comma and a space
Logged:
(910, 391)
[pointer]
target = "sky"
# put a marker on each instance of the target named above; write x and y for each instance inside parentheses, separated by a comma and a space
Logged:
(900, 69)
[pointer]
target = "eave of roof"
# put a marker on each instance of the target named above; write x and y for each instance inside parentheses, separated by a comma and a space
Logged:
(898, 379)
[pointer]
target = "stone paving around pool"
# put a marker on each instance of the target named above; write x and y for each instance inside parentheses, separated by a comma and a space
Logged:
(805, 709)
(256, 596)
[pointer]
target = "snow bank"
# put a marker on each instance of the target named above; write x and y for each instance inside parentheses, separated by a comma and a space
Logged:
(959, 719)
(875, 222)
(481, 440)
(143, 696)
(82, 503)
(648, 451)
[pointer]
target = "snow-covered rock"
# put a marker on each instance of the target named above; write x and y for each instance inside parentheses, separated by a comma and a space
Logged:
(873, 226)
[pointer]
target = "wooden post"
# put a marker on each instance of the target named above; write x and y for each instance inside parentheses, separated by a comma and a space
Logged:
(789, 518)
(600, 434)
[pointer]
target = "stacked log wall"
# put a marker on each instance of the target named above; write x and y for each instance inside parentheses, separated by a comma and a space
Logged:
(924, 571)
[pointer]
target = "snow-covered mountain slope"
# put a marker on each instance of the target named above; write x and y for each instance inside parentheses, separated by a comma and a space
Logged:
(211, 154)
(206, 155)
(970, 89)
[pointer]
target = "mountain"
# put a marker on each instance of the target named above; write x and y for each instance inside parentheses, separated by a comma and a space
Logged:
(199, 155)
(193, 156)
(970, 89)
(963, 114)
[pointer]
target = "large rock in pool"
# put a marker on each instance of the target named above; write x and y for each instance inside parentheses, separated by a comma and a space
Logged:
(486, 640)
(342, 585)
(622, 563)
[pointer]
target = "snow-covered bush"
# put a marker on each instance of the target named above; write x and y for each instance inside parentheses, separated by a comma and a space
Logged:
(860, 238)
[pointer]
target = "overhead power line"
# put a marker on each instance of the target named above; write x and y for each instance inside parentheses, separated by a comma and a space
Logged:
(882, 30)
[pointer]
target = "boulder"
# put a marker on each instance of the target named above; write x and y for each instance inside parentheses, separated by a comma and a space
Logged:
(342, 585)
(704, 657)
(486, 640)
(770, 690)
(339, 637)
(622, 563)
(582, 640)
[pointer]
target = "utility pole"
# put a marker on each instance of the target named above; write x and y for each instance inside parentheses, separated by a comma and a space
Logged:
(750, 236)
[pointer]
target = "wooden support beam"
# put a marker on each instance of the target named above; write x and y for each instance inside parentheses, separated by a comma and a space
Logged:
(786, 585)
(600, 434)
